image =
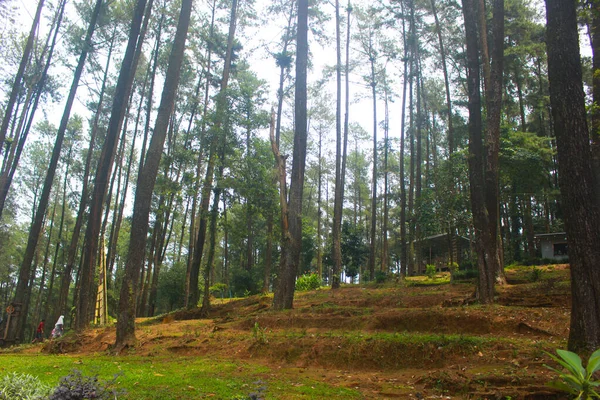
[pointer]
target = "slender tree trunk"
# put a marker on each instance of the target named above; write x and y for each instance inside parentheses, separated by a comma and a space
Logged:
(385, 251)
(16, 86)
(291, 248)
(210, 257)
(72, 250)
(36, 227)
(403, 238)
(282, 69)
(194, 296)
(146, 182)
(373, 236)
(107, 155)
(336, 231)
(12, 161)
(582, 215)
(492, 140)
(485, 287)
(269, 253)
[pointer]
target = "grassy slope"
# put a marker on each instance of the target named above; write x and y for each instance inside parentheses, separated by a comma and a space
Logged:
(393, 340)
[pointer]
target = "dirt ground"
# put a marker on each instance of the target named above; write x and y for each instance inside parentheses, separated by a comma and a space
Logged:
(389, 341)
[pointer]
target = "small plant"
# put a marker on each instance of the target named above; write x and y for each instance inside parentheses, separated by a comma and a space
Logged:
(453, 267)
(76, 386)
(576, 380)
(430, 271)
(259, 334)
(535, 275)
(218, 289)
(308, 282)
(381, 277)
(16, 386)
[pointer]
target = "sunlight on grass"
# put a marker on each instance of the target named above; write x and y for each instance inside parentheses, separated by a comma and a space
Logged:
(173, 378)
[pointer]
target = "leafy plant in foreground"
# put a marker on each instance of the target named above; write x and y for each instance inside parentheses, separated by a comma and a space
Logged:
(16, 386)
(308, 282)
(76, 386)
(576, 380)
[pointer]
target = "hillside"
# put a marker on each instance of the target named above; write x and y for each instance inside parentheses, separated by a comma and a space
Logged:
(395, 340)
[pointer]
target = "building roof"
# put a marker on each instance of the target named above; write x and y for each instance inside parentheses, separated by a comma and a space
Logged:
(551, 236)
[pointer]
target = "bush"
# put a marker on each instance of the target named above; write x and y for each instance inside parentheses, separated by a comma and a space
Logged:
(76, 386)
(535, 274)
(465, 274)
(430, 271)
(308, 282)
(22, 386)
(381, 277)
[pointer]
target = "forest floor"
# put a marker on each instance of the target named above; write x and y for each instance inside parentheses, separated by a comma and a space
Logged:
(405, 339)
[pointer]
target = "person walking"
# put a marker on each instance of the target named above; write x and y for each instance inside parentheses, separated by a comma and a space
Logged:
(58, 327)
(39, 332)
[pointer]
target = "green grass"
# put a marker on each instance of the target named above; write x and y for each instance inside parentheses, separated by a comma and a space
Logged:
(174, 377)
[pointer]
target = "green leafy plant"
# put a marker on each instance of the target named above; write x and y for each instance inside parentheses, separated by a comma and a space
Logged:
(15, 386)
(430, 271)
(259, 334)
(576, 380)
(453, 267)
(308, 282)
(381, 277)
(535, 275)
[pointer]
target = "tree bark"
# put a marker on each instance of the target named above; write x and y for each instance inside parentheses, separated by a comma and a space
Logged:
(290, 257)
(581, 211)
(16, 87)
(194, 292)
(34, 233)
(146, 182)
(107, 155)
(485, 286)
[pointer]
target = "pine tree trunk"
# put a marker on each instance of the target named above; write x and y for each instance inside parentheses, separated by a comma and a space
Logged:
(146, 182)
(194, 292)
(34, 233)
(582, 214)
(16, 86)
(485, 287)
(291, 248)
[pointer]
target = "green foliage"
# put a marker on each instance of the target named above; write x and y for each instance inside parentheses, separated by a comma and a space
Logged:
(354, 248)
(381, 277)
(308, 282)
(465, 274)
(576, 380)
(430, 271)
(535, 275)
(259, 334)
(242, 283)
(218, 289)
(17, 386)
(169, 295)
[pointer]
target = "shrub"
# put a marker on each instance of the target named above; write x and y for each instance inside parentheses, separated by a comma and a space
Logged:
(22, 386)
(76, 386)
(218, 289)
(308, 282)
(430, 271)
(535, 274)
(466, 274)
(576, 380)
(381, 277)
